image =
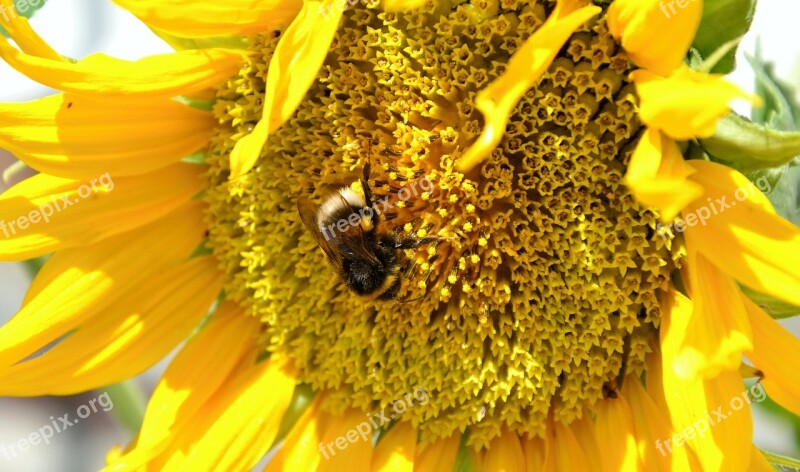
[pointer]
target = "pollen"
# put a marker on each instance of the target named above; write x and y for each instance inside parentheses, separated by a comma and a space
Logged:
(544, 278)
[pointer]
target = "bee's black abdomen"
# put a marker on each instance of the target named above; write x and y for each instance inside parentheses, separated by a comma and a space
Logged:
(363, 277)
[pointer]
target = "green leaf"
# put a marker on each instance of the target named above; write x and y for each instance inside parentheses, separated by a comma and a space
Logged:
(749, 146)
(25, 9)
(718, 56)
(785, 194)
(777, 111)
(723, 21)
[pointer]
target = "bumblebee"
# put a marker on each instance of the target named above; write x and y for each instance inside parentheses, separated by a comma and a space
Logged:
(351, 228)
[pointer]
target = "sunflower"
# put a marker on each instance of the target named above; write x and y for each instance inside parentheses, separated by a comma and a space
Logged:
(568, 315)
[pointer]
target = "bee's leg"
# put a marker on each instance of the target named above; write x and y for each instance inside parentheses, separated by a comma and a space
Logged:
(368, 195)
(365, 185)
(413, 243)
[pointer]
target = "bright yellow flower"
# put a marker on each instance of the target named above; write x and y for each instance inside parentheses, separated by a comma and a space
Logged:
(549, 284)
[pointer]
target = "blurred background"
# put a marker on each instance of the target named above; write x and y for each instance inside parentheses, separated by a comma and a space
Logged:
(77, 28)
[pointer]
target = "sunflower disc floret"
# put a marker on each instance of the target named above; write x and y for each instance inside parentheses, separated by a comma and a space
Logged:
(546, 278)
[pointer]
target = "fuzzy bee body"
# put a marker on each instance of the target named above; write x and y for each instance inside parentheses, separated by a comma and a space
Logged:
(349, 228)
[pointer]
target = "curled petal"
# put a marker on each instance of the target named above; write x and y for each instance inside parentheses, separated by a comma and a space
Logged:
(654, 33)
(737, 229)
(292, 69)
(164, 75)
(697, 406)
(772, 346)
(499, 98)
(657, 175)
(686, 104)
(204, 18)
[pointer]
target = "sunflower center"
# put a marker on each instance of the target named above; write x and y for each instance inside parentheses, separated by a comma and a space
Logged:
(543, 278)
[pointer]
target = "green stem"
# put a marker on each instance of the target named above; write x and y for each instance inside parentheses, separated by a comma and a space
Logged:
(129, 405)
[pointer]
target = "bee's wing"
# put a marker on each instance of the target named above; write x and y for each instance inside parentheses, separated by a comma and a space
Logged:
(357, 245)
(308, 215)
(355, 241)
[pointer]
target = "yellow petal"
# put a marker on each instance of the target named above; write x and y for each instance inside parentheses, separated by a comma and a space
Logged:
(703, 410)
(349, 448)
(687, 104)
(713, 329)
(564, 452)
(204, 18)
(21, 32)
(535, 451)
(656, 34)
(302, 449)
(43, 214)
(164, 75)
(292, 69)
(76, 285)
(758, 463)
(192, 378)
(505, 454)
(238, 426)
(657, 175)
(438, 455)
(143, 327)
(585, 431)
(615, 422)
(773, 348)
(652, 429)
(60, 135)
(738, 231)
(395, 450)
(401, 5)
(524, 70)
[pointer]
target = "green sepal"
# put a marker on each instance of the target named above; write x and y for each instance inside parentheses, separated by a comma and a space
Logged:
(181, 44)
(781, 462)
(748, 146)
(777, 309)
(33, 266)
(28, 13)
(723, 21)
(302, 398)
(197, 158)
(129, 404)
(464, 457)
(196, 103)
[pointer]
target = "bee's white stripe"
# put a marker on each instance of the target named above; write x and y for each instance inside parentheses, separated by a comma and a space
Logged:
(335, 204)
